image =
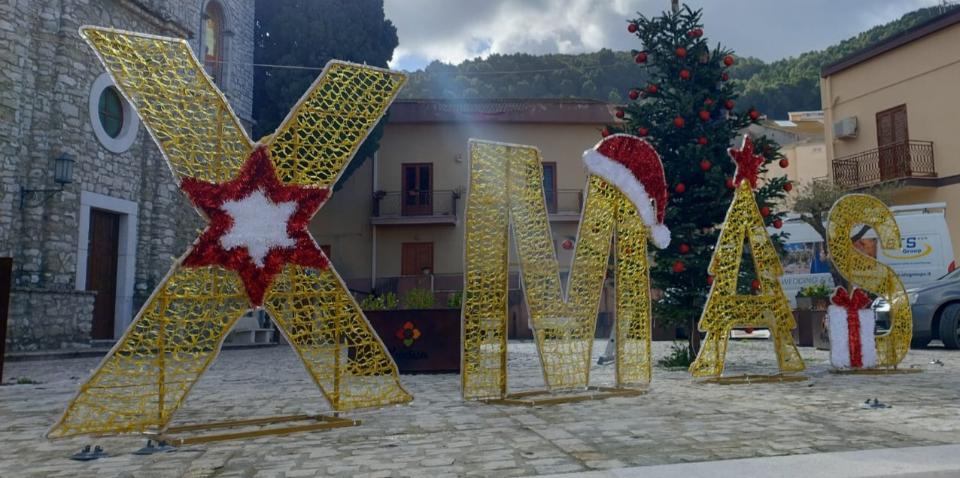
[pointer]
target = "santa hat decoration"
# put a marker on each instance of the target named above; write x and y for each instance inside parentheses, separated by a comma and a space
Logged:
(633, 166)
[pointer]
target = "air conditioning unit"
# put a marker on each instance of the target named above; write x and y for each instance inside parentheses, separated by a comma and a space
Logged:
(845, 128)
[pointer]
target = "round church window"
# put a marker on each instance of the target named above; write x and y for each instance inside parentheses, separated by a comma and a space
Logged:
(112, 118)
(111, 112)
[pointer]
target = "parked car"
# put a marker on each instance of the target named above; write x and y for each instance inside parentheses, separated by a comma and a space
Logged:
(936, 311)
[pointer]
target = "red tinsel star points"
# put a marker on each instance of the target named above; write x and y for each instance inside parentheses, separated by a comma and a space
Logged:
(748, 163)
(256, 183)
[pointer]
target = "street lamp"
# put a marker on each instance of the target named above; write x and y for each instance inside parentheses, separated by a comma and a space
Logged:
(62, 175)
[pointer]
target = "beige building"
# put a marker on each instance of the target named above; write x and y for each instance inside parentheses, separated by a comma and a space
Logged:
(891, 114)
(397, 223)
(801, 140)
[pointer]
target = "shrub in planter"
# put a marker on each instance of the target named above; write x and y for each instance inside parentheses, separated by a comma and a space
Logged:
(819, 295)
(455, 300)
(385, 301)
(419, 299)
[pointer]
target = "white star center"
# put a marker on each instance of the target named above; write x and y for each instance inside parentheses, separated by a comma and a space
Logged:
(259, 224)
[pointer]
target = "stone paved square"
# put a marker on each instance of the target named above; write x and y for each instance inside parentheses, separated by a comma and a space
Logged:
(441, 435)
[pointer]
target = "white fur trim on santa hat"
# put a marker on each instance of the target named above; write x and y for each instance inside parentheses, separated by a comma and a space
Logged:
(840, 341)
(621, 177)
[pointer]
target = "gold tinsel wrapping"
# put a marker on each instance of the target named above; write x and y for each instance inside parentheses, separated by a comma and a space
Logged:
(506, 189)
(848, 213)
(725, 309)
(179, 330)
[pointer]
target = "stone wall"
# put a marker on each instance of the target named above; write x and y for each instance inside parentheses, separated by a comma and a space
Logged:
(42, 319)
(46, 74)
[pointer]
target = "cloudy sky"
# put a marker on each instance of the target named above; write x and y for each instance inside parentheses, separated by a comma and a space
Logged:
(455, 30)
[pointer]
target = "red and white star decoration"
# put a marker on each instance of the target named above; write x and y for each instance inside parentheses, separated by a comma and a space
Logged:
(748, 163)
(257, 224)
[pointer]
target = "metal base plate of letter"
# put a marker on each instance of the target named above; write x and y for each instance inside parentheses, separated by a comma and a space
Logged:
(253, 428)
(546, 397)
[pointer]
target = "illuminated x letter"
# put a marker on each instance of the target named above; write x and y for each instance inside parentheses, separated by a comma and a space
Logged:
(256, 250)
(506, 189)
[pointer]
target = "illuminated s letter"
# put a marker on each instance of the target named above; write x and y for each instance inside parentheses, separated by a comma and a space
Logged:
(864, 271)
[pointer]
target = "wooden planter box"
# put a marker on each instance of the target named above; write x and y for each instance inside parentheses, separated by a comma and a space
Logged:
(420, 340)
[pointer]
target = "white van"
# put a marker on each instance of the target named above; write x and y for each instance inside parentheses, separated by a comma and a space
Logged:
(925, 254)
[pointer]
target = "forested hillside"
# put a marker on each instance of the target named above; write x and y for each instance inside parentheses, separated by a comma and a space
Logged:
(774, 88)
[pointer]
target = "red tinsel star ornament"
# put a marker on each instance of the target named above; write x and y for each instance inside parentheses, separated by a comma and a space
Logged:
(748, 163)
(257, 224)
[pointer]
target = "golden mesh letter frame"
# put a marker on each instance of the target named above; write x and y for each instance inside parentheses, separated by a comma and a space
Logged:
(869, 274)
(726, 309)
(178, 332)
(506, 193)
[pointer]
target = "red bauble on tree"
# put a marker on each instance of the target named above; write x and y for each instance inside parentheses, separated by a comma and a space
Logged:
(708, 102)
(724, 76)
(680, 188)
(605, 132)
(679, 122)
(728, 60)
(754, 114)
(709, 280)
(702, 141)
(755, 284)
(777, 223)
(705, 165)
(729, 183)
(683, 248)
(681, 52)
(678, 267)
(633, 94)
(704, 115)
(788, 186)
(764, 211)
(684, 74)
(632, 27)
(643, 131)
(784, 163)
(641, 57)
(729, 104)
(653, 88)
(619, 114)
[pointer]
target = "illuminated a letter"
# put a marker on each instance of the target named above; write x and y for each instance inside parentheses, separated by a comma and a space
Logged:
(768, 306)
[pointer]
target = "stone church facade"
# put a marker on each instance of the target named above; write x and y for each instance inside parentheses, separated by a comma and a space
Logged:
(86, 257)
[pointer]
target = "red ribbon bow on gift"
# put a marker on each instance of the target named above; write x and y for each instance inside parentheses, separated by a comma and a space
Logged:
(852, 303)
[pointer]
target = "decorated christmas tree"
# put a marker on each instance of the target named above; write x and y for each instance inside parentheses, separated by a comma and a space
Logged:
(688, 110)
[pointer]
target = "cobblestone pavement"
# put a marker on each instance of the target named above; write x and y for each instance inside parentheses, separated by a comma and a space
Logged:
(441, 435)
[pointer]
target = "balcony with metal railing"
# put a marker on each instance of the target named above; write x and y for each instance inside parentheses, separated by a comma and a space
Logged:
(904, 160)
(564, 205)
(401, 208)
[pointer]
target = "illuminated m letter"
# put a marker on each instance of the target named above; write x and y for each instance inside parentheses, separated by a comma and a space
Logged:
(506, 189)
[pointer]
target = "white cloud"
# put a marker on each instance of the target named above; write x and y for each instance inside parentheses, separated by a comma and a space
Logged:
(452, 31)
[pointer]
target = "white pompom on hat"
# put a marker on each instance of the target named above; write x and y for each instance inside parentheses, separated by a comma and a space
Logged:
(633, 166)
